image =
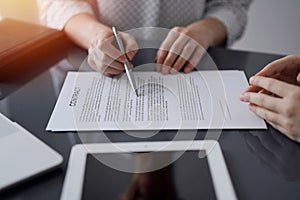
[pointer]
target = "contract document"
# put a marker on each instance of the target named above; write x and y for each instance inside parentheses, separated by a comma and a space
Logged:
(90, 101)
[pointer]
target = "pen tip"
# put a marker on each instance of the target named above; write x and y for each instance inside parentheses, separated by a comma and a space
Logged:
(136, 93)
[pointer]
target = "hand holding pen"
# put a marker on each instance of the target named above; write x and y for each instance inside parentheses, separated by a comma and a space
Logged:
(127, 63)
(107, 59)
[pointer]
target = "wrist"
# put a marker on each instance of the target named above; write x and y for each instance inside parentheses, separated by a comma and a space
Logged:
(211, 30)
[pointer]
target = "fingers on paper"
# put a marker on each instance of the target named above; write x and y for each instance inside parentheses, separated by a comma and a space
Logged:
(163, 51)
(178, 51)
(272, 85)
(266, 114)
(265, 101)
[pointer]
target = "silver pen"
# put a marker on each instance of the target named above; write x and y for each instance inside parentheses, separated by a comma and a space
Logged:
(126, 64)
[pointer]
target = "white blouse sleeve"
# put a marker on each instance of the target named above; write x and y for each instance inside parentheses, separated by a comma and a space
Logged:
(56, 13)
(233, 14)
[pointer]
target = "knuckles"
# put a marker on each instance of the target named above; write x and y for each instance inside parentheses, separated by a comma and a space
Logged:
(289, 125)
(177, 28)
(269, 84)
(187, 31)
(176, 48)
(266, 116)
(296, 95)
(107, 35)
(102, 46)
(292, 57)
(261, 101)
(289, 111)
(104, 60)
(189, 47)
(98, 67)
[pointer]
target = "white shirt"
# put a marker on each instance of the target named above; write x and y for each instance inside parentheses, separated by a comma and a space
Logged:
(129, 14)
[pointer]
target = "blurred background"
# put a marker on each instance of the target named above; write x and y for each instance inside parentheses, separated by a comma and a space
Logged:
(25, 10)
(273, 25)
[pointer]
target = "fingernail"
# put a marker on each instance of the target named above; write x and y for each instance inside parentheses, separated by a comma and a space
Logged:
(187, 70)
(130, 55)
(242, 97)
(173, 71)
(158, 68)
(122, 59)
(175, 68)
(251, 107)
(252, 79)
(164, 72)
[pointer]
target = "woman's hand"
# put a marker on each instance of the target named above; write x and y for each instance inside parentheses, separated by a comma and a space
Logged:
(185, 46)
(285, 69)
(274, 95)
(182, 48)
(105, 58)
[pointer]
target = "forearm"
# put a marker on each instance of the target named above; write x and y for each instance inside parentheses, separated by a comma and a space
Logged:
(82, 28)
(212, 29)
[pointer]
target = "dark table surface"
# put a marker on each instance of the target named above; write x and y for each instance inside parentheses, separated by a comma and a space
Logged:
(262, 164)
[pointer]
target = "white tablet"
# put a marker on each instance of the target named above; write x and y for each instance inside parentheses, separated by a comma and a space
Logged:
(148, 170)
(22, 155)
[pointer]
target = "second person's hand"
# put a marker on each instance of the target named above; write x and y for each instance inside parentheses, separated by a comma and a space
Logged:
(286, 69)
(274, 95)
(281, 111)
(105, 58)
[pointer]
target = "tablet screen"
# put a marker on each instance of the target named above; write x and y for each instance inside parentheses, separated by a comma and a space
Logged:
(188, 177)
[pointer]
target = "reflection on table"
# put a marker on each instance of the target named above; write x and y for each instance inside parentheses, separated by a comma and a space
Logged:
(276, 152)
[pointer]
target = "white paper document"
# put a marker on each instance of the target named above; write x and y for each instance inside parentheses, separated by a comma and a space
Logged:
(90, 101)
